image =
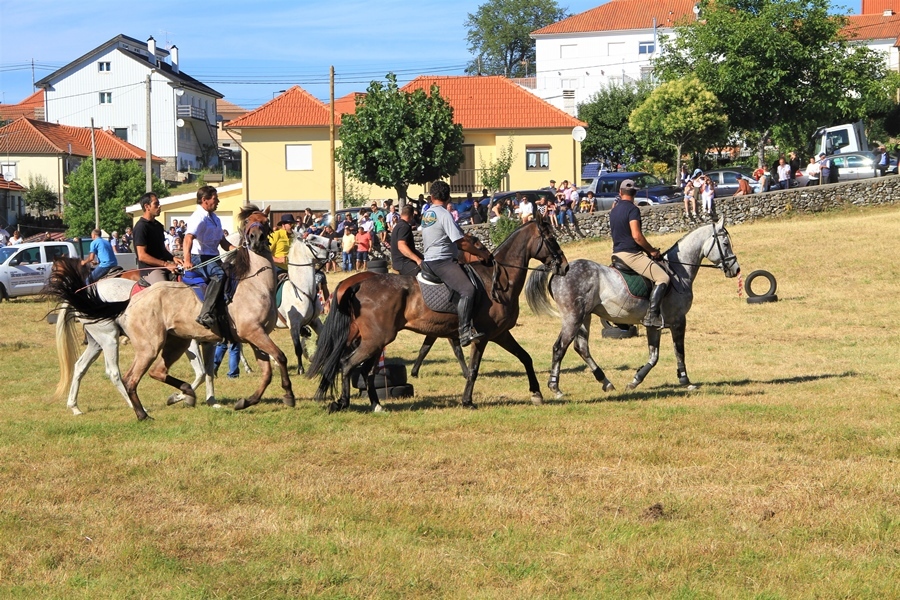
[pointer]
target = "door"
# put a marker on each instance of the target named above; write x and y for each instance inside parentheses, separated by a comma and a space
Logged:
(27, 272)
(728, 184)
(464, 180)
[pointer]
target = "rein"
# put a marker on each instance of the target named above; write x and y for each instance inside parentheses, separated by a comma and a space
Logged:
(723, 265)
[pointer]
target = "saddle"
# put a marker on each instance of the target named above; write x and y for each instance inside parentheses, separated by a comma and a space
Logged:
(638, 285)
(197, 282)
(438, 296)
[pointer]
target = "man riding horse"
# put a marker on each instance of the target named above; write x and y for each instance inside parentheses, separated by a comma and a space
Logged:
(442, 239)
(632, 248)
(154, 260)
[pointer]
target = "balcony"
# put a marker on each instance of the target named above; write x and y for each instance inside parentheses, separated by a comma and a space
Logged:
(204, 131)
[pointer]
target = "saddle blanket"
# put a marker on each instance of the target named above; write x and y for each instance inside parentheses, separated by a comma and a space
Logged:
(440, 298)
(638, 285)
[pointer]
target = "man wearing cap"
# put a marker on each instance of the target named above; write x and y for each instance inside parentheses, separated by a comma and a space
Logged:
(824, 168)
(632, 248)
(280, 242)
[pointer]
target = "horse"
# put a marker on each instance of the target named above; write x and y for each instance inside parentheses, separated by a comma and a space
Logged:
(162, 318)
(102, 336)
(593, 289)
(372, 310)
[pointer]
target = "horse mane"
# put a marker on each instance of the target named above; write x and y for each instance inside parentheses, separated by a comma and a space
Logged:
(248, 210)
(240, 264)
(675, 248)
(502, 247)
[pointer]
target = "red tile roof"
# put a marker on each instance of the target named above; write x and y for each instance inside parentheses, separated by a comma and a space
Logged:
(294, 108)
(25, 108)
(10, 185)
(346, 105)
(229, 109)
(619, 15)
(872, 27)
(29, 136)
(494, 102)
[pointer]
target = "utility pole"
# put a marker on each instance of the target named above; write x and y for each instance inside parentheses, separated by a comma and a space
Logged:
(149, 164)
(331, 138)
(94, 162)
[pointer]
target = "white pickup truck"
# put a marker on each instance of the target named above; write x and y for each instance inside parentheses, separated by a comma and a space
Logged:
(25, 269)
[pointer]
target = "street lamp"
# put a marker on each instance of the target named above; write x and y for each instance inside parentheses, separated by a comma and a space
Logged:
(278, 92)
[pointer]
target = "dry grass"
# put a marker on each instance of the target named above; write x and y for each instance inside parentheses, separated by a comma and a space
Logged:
(776, 479)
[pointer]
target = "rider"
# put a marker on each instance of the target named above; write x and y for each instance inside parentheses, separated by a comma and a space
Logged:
(154, 260)
(631, 247)
(442, 238)
(102, 252)
(280, 242)
(405, 259)
(204, 227)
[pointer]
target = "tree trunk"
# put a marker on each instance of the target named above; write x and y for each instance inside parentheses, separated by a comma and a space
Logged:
(678, 163)
(761, 149)
(401, 189)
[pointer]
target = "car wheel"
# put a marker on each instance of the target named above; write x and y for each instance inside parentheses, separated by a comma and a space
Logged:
(3, 294)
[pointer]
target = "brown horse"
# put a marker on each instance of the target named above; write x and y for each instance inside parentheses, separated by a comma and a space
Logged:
(162, 318)
(372, 310)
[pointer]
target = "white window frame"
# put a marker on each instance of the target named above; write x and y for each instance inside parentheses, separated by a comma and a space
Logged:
(537, 158)
(568, 51)
(105, 97)
(9, 170)
(104, 66)
(298, 157)
(646, 47)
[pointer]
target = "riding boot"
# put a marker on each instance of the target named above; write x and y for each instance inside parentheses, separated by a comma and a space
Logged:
(653, 317)
(214, 289)
(467, 333)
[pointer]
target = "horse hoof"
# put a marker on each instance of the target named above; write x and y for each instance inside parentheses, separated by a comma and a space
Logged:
(378, 408)
(609, 387)
(144, 417)
(289, 400)
(559, 395)
(241, 404)
(174, 399)
(333, 407)
(76, 411)
(631, 386)
(691, 387)
(469, 405)
(537, 399)
(212, 402)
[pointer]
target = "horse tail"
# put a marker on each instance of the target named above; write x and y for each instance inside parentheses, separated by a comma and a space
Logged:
(536, 293)
(67, 285)
(331, 343)
(65, 350)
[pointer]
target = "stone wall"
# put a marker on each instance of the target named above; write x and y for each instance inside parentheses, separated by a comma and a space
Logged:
(669, 218)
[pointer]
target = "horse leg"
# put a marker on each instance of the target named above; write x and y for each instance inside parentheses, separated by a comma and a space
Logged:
(172, 350)
(363, 356)
(423, 352)
(509, 343)
(678, 328)
(368, 367)
(295, 325)
(460, 357)
(653, 345)
(143, 358)
(195, 357)
(84, 362)
(265, 349)
(572, 321)
(582, 347)
(477, 352)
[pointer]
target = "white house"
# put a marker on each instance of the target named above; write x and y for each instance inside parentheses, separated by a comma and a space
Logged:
(617, 41)
(109, 84)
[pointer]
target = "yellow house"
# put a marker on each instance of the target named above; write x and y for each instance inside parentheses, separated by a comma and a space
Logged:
(287, 157)
(176, 208)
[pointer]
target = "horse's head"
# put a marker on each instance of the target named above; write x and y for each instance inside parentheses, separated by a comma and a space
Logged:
(548, 250)
(322, 248)
(718, 250)
(255, 228)
(466, 257)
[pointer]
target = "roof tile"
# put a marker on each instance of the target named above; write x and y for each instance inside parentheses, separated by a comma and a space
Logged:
(872, 27)
(29, 136)
(294, 108)
(620, 15)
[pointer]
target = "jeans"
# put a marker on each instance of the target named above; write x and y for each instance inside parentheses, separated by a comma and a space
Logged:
(349, 260)
(562, 214)
(98, 272)
(234, 358)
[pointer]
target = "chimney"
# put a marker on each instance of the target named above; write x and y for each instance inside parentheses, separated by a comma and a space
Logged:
(888, 13)
(151, 48)
(173, 55)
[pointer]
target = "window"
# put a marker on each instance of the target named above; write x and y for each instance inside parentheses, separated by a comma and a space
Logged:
(104, 67)
(537, 158)
(647, 73)
(105, 97)
(9, 170)
(616, 49)
(298, 157)
(568, 50)
(121, 133)
(730, 178)
(646, 47)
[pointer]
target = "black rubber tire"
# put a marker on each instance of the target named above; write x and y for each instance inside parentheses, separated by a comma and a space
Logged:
(357, 379)
(390, 375)
(397, 391)
(611, 325)
(748, 285)
(615, 333)
(762, 299)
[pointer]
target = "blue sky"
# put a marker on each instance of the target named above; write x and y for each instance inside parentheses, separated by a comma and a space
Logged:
(248, 50)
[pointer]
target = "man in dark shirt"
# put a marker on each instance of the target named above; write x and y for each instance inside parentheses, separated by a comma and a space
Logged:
(405, 259)
(154, 260)
(632, 248)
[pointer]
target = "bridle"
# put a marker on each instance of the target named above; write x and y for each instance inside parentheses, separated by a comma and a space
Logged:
(556, 260)
(725, 262)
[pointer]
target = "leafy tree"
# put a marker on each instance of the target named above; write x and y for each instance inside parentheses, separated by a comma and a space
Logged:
(500, 34)
(493, 173)
(119, 184)
(398, 138)
(606, 113)
(780, 67)
(40, 196)
(680, 113)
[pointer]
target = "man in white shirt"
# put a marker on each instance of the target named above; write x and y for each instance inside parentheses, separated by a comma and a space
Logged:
(526, 209)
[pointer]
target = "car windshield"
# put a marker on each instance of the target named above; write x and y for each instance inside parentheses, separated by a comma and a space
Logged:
(5, 253)
(645, 181)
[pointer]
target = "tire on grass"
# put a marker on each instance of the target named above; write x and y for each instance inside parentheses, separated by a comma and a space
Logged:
(397, 391)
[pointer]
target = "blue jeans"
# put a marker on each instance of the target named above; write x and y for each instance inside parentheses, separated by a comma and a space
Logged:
(563, 214)
(234, 358)
(211, 271)
(349, 260)
(98, 272)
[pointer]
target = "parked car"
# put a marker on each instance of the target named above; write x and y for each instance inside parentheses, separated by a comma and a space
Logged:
(341, 215)
(465, 218)
(726, 181)
(25, 269)
(858, 165)
(650, 190)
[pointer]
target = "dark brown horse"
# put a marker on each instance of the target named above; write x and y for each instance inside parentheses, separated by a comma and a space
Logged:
(371, 311)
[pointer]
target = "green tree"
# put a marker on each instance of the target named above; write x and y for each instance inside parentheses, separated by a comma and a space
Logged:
(780, 67)
(606, 113)
(40, 196)
(399, 138)
(499, 34)
(119, 184)
(682, 114)
(493, 173)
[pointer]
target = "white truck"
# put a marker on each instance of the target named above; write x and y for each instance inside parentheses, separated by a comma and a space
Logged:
(841, 139)
(25, 269)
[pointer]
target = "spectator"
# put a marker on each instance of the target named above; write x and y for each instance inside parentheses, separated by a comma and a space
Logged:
(392, 217)
(234, 358)
(348, 220)
(348, 247)
(824, 168)
(784, 174)
(586, 204)
(592, 200)
(884, 161)
(813, 171)
(381, 231)
(708, 194)
(171, 237)
(525, 209)
(115, 242)
(363, 245)
(743, 188)
(684, 176)
(16, 238)
(4, 237)
(453, 212)
(794, 163)
(307, 220)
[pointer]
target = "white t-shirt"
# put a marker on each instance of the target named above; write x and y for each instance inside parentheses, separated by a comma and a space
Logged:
(526, 208)
(207, 231)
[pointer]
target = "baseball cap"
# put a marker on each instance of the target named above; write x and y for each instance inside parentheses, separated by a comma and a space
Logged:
(821, 154)
(287, 219)
(627, 186)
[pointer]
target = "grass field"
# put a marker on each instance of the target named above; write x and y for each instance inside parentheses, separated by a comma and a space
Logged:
(778, 478)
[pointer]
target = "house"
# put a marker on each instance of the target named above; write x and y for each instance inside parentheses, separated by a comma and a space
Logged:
(31, 107)
(180, 207)
(229, 142)
(32, 148)
(12, 202)
(287, 150)
(109, 86)
(617, 42)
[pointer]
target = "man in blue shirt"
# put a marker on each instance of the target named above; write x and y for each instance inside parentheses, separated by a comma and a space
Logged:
(102, 252)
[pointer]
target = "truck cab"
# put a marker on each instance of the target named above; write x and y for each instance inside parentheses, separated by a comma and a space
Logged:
(841, 139)
(25, 269)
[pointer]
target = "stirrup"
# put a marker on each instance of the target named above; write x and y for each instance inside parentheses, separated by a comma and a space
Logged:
(469, 336)
(206, 320)
(653, 321)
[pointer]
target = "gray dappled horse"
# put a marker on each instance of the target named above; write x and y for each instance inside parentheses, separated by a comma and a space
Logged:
(593, 289)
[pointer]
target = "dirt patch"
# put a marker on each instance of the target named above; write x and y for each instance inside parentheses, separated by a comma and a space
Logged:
(655, 512)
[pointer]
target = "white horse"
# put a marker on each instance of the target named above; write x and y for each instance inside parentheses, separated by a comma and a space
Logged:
(103, 336)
